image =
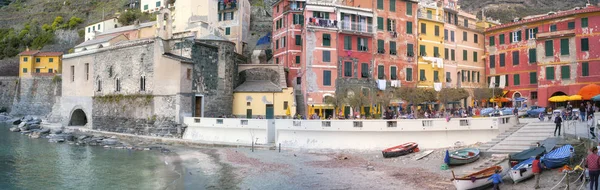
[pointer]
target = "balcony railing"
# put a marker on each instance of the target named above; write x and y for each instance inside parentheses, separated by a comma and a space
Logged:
(292, 7)
(357, 27)
(227, 6)
(430, 17)
(320, 22)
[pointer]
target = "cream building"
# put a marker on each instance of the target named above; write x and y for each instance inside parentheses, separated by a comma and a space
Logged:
(92, 30)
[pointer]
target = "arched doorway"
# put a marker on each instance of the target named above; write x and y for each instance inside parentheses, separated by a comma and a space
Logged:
(78, 118)
(555, 105)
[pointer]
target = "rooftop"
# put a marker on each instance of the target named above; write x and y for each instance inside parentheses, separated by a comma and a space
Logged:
(551, 15)
(258, 86)
(39, 53)
(97, 41)
(127, 28)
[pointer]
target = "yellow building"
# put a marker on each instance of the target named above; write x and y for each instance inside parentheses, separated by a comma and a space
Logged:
(431, 45)
(37, 63)
(261, 98)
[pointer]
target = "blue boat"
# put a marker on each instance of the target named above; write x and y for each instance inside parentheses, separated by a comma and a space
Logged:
(558, 157)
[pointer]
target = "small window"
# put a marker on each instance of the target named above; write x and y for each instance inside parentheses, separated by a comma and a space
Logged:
(532, 55)
(475, 38)
(549, 73)
(549, 48)
(248, 103)
(298, 40)
(565, 72)
(553, 28)
(380, 72)
(409, 26)
(423, 28)
(37, 60)
(409, 74)
(25, 59)
(285, 105)
(585, 46)
(99, 85)
(228, 31)
(158, 4)
(452, 55)
(584, 22)
(393, 74)
(87, 71)
(436, 30)
(515, 57)
(72, 73)
(533, 78)
(326, 40)
(51, 60)
(297, 59)
(118, 85)
(50, 71)
(465, 36)
(326, 78)
(143, 83)
(364, 70)
(571, 25)
(585, 69)
(534, 95)
(409, 8)
(492, 42)
(326, 56)
(465, 53)
(24, 70)
(348, 69)
(99, 27)
(298, 80)
(501, 37)
(145, 8)
(564, 46)
(37, 70)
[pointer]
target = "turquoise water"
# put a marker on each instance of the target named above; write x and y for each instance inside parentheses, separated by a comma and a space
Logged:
(36, 164)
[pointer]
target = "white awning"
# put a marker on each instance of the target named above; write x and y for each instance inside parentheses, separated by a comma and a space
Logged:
(320, 8)
(355, 12)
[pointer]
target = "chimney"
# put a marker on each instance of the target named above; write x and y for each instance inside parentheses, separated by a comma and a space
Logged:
(27, 48)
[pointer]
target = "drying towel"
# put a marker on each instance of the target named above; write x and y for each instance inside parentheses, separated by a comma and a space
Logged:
(437, 86)
(381, 84)
(394, 83)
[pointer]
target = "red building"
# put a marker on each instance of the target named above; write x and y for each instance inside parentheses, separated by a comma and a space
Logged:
(541, 56)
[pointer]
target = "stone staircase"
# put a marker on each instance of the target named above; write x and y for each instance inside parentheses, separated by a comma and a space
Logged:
(519, 138)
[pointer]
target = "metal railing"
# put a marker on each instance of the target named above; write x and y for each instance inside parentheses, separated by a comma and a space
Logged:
(434, 17)
(326, 23)
(356, 26)
(292, 8)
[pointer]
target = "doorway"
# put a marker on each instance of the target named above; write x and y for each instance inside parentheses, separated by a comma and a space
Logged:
(270, 114)
(198, 106)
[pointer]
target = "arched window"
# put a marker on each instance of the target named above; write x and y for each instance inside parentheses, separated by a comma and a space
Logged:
(99, 86)
(143, 83)
(118, 85)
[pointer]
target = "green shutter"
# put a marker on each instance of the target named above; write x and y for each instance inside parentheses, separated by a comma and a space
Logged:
(393, 47)
(326, 56)
(532, 78)
(347, 43)
(492, 61)
(380, 4)
(532, 56)
(422, 50)
(437, 30)
(358, 39)
(348, 69)
(389, 24)
(549, 73)
(515, 56)
(326, 40)
(423, 28)
(379, 23)
(585, 44)
(409, 26)
(465, 53)
(393, 5)
(276, 44)
(380, 44)
(393, 73)
(436, 77)
(565, 72)
(297, 59)
(298, 40)
(364, 69)
(502, 59)
(549, 48)
(571, 25)
(422, 75)
(446, 53)
(436, 52)
(452, 57)
(501, 37)
(526, 34)
(535, 31)
(585, 69)
(326, 78)
(519, 36)
(409, 74)
(409, 8)
(516, 80)
(380, 72)
(474, 56)
(409, 50)
(584, 22)
(326, 15)
(492, 43)
(510, 38)
(564, 46)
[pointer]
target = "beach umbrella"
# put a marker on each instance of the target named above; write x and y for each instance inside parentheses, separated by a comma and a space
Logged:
(575, 98)
(589, 91)
(596, 98)
(499, 100)
(559, 98)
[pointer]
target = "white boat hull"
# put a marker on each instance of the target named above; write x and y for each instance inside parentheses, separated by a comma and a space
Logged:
(517, 176)
(468, 184)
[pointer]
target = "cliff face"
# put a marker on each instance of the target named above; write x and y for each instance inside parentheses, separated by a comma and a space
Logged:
(261, 23)
(507, 10)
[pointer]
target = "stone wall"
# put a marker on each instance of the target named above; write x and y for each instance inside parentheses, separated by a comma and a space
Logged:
(8, 90)
(136, 114)
(215, 75)
(36, 96)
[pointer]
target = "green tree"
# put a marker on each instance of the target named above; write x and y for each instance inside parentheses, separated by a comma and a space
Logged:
(57, 21)
(74, 22)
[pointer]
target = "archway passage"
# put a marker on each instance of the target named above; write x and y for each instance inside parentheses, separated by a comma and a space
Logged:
(78, 118)
(558, 93)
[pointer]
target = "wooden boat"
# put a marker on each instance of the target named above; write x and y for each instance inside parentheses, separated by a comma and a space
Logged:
(463, 156)
(519, 157)
(400, 150)
(475, 180)
(522, 170)
(558, 157)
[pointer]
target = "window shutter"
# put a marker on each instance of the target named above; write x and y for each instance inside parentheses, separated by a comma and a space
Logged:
(446, 53)
(393, 73)
(565, 72)
(502, 59)
(585, 69)
(393, 5)
(380, 4)
(510, 39)
(389, 24)
(549, 73)
(422, 50)
(358, 40)
(409, 8)
(408, 74)
(297, 59)
(326, 78)
(584, 22)
(423, 28)
(532, 56)
(585, 46)
(492, 61)
(516, 80)
(379, 23)
(492, 43)
(409, 27)
(422, 75)
(474, 56)
(380, 72)
(532, 78)
(548, 48)
(392, 46)
(380, 45)
(409, 49)
(564, 46)
(535, 31)
(326, 15)
(515, 56)
(364, 70)
(519, 36)
(465, 53)
(436, 77)
(526, 34)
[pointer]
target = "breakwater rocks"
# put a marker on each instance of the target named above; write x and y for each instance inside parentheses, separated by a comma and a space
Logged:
(31, 127)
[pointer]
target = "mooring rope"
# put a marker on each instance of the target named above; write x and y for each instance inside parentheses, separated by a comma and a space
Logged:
(559, 182)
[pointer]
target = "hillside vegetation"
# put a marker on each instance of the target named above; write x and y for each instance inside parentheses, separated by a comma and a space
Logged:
(507, 10)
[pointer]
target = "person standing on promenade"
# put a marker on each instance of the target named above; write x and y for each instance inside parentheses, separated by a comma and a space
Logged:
(590, 124)
(582, 111)
(536, 168)
(558, 121)
(593, 165)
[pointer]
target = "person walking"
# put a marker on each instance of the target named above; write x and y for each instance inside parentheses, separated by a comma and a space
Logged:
(496, 179)
(582, 111)
(590, 124)
(536, 168)
(593, 165)
(558, 121)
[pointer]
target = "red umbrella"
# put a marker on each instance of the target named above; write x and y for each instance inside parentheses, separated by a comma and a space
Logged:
(589, 91)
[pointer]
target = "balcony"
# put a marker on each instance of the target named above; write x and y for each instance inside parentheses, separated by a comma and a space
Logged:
(321, 22)
(555, 34)
(357, 27)
(231, 5)
(293, 8)
(431, 17)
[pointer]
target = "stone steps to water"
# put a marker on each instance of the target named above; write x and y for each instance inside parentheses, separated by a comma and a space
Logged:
(527, 136)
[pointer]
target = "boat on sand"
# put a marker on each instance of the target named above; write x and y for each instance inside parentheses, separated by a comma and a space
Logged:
(475, 180)
(400, 150)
